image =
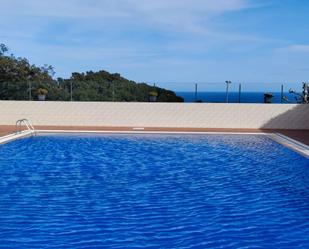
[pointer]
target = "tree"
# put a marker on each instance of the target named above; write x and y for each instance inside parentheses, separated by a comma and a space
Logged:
(3, 49)
(17, 73)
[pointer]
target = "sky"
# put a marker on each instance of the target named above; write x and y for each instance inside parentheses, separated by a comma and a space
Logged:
(172, 42)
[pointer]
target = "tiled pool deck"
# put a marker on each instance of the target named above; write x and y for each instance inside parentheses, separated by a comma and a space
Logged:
(299, 135)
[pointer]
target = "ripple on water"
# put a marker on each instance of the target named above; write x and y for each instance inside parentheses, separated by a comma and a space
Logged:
(152, 191)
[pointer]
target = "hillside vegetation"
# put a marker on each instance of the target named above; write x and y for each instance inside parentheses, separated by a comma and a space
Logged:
(17, 75)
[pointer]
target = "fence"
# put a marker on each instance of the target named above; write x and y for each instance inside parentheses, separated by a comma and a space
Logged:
(236, 92)
(210, 92)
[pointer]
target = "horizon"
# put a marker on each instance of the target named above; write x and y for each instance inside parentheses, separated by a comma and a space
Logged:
(157, 42)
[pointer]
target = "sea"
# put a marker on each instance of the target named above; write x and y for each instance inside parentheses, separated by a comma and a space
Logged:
(233, 97)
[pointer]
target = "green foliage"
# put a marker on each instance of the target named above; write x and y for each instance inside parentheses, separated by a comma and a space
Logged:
(3, 49)
(17, 74)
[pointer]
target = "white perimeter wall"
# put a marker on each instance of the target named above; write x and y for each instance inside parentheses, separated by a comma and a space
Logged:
(186, 115)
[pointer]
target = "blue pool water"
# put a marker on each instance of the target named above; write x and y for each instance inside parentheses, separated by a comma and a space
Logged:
(152, 191)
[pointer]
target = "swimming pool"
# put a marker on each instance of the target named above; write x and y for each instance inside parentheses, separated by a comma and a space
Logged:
(152, 191)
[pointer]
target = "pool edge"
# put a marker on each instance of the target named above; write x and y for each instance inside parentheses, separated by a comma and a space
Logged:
(291, 143)
(14, 136)
(277, 137)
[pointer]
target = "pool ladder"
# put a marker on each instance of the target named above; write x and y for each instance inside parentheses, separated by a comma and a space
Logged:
(27, 123)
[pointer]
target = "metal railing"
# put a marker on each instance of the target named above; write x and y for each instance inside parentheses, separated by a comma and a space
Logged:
(27, 123)
(207, 92)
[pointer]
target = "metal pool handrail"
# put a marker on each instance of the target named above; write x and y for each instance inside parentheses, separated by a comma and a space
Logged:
(27, 123)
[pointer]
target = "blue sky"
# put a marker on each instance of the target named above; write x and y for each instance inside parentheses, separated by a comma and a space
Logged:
(253, 41)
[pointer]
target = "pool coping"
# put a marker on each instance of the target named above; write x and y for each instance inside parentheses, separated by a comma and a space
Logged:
(275, 136)
(15, 136)
(291, 143)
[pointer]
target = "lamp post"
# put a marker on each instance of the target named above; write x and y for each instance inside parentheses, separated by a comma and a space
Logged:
(227, 90)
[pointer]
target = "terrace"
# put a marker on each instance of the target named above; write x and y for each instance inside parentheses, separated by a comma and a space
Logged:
(290, 119)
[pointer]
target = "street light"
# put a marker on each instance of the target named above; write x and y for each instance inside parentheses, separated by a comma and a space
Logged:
(227, 90)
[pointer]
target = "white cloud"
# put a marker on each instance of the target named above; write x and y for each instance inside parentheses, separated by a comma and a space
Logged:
(168, 14)
(144, 39)
(299, 48)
